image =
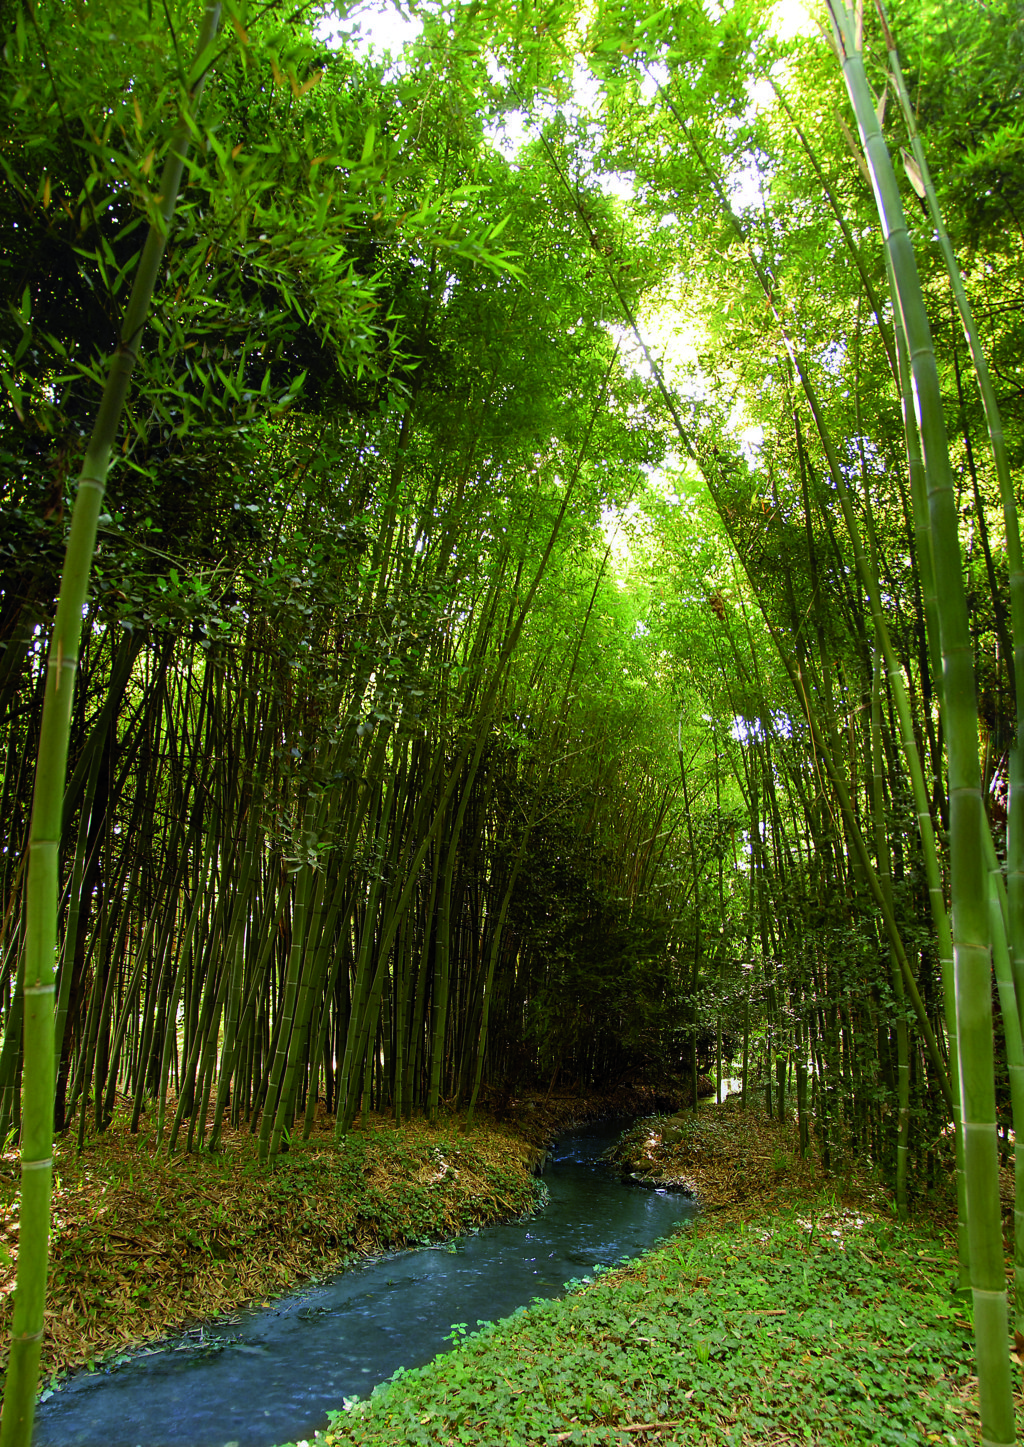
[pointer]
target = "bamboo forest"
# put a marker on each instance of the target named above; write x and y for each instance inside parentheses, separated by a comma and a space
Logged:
(511, 615)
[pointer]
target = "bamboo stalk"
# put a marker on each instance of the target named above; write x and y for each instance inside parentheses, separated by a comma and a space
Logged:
(884, 860)
(970, 915)
(1010, 1011)
(44, 839)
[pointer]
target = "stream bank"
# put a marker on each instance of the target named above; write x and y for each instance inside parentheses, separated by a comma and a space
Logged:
(794, 1311)
(144, 1246)
(819, 1326)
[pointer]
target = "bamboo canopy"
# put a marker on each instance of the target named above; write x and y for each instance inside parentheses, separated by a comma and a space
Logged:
(510, 572)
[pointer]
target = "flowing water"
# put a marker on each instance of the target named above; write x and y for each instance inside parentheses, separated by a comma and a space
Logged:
(268, 1376)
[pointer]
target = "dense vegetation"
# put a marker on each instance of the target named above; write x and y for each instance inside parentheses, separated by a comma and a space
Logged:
(544, 599)
(824, 1327)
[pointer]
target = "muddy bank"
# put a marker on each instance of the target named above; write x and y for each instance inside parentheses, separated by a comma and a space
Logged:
(143, 1246)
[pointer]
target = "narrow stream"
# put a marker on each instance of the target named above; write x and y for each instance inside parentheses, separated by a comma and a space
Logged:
(268, 1376)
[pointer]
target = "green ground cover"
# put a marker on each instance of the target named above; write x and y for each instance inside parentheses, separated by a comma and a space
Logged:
(813, 1324)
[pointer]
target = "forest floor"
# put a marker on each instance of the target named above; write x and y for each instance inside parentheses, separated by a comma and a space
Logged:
(796, 1311)
(144, 1245)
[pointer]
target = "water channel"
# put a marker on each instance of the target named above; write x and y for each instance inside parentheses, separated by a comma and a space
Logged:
(268, 1376)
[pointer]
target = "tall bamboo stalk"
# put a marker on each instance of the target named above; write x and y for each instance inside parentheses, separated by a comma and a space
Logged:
(884, 859)
(969, 886)
(48, 797)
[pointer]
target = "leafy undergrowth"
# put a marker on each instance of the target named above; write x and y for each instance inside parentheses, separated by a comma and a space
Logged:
(789, 1315)
(818, 1326)
(739, 1162)
(143, 1245)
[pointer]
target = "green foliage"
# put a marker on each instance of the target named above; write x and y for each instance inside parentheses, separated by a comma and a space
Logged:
(427, 621)
(826, 1325)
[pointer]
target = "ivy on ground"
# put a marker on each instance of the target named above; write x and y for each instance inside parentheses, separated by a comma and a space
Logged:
(815, 1325)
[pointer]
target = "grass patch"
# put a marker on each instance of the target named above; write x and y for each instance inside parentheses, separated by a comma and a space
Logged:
(823, 1326)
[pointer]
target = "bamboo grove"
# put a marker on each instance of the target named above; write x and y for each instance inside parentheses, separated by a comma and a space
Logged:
(473, 689)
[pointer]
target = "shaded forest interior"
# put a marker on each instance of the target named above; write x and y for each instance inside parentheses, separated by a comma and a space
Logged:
(557, 614)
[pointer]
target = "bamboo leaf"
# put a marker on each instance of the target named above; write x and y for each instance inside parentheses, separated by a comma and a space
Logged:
(913, 171)
(854, 148)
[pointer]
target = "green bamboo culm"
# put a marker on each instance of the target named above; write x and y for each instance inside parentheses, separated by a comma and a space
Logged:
(884, 863)
(969, 886)
(1014, 1054)
(920, 178)
(48, 796)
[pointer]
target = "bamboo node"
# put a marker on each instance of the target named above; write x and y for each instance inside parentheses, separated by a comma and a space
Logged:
(38, 989)
(37, 1165)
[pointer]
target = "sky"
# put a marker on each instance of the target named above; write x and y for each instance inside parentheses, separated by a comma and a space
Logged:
(385, 27)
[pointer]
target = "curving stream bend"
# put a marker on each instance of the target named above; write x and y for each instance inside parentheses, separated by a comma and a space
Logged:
(267, 1376)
